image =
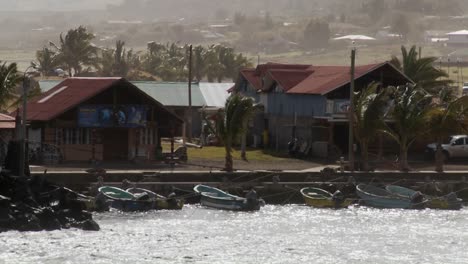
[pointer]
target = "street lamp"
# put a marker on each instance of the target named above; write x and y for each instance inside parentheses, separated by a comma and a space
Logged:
(22, 136)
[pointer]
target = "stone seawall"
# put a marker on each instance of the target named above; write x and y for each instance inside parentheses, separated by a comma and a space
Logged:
(275, 187)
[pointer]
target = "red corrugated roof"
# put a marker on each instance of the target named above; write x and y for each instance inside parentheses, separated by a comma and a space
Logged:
(252, 78)
(66, 95)
(325, 79)
(5, 121)
(289, 78)
(307, 79)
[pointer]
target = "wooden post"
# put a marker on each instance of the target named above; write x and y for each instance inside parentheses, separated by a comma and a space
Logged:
(189, 117)
(351, 113)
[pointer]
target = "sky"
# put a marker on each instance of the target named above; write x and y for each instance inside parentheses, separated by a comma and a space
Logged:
(54, 5)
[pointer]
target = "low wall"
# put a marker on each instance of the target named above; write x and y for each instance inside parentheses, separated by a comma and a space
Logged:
(277, 186)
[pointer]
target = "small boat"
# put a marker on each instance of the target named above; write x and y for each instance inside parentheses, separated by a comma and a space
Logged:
(447, 202)
(159, 202)
(381, 198)
(122, 200)
(321, 198)
(216, 198)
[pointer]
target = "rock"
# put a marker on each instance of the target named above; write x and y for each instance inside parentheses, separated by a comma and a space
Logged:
(48, 219)
(90, 225)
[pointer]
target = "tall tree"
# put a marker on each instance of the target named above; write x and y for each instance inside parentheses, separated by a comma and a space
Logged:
(76, 50)
(237, 111)
(116, 62)
(9, 79)
(447, 116)
(409, 107)
(421, 70)
(370, 105)
(47, 61)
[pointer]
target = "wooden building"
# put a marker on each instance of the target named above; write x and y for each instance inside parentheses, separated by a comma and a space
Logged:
(306, 101)
(100, 119)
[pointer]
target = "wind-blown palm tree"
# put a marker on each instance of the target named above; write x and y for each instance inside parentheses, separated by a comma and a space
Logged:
(9, 79)
(76, 50)
(421, 70)
(408, 112)
(47, 61)
(446, 117)
(370, 106)
(229, 123)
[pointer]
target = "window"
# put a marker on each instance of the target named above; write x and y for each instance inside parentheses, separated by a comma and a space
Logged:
(460, 141)
(78, 136)
(148, 136)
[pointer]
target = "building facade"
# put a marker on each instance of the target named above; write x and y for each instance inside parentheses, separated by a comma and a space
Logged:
(109, 119)
(308, 102)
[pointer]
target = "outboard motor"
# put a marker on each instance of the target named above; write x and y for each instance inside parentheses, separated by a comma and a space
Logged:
(338, 197)
(252, 199)
(417, 199)
(452, 197)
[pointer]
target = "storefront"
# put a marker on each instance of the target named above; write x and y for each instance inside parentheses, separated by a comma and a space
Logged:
(109, 119)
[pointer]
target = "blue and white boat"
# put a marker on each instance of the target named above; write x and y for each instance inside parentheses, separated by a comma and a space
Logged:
(216, 198)
(377, 197)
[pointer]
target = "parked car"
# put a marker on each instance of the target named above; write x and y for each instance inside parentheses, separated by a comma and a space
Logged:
(465, 89)
(455, 147)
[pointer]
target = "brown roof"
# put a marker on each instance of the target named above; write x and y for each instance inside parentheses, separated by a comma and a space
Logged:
(7, 121)
(73, 91)
(308, 79)
(66, 95)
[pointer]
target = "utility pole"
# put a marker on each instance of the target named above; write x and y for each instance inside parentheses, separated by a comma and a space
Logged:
(189, 118)
(351, 113)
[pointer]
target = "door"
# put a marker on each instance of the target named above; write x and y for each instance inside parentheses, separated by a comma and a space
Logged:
(115, 144)
(458, 148)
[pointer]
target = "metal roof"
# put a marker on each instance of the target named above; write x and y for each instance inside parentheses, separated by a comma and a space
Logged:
(215, 94)
(7, 122)
(309, 79)
(171, 94)
(174, 93)
(65, 95)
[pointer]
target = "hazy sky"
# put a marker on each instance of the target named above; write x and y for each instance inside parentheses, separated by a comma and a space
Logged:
(54, 5)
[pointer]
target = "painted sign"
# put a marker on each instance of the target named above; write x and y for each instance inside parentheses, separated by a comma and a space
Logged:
(341, 107)
(112, 116)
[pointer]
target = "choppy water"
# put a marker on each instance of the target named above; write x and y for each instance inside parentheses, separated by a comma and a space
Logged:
(276, 234)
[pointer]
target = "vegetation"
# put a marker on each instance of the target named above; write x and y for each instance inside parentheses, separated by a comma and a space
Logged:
(9, 79)
(370, 105)
(237, 111)
(446, 117)
(408, 112)
(421, 70)
(167, 62)
(76, 50)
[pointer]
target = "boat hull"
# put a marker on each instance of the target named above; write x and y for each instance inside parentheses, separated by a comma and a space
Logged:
(380, 198)
(320, 198)
(444, 204)
(218, 199)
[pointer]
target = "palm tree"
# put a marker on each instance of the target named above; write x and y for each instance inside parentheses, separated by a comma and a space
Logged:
(370, 106)
(47, 61)
(421, 70)
(115, 62)
(76, 50)
(9, 79)
(408, 112)
(229, 123)
(446, 117)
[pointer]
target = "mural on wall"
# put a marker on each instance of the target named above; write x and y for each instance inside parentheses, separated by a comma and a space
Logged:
(112, 116)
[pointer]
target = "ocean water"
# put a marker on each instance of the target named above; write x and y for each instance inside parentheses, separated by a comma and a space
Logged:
(275, 234)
